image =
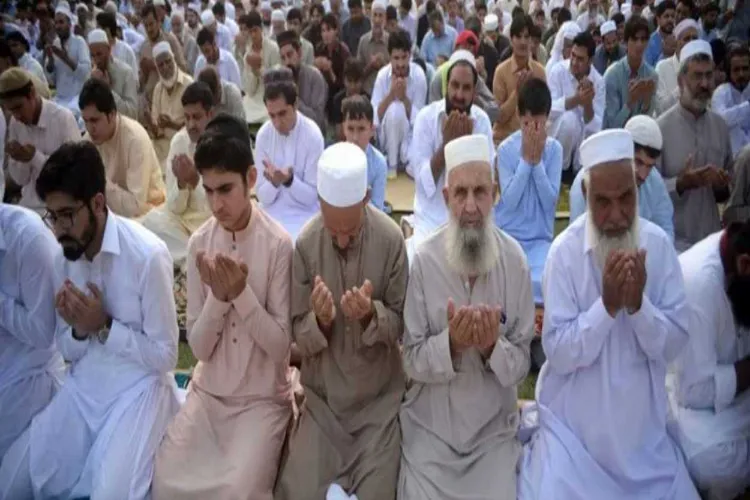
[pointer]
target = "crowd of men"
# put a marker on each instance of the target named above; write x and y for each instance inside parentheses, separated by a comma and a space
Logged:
(246, 147)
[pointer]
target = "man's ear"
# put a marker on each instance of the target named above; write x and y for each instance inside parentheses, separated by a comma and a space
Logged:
(445, 195)
(496, 191)
(743, 265)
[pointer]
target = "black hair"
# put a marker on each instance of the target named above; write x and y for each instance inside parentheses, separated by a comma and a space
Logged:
(635, 26)
(108, 22)
(564, 15)
(330, 21)
(210, 77)
(519, 24)
(710, 7)
(319, 8)
(391, 14)
(354, 4)
(99, 94)
(357, 107)
(652, 153)
(664, 7)
(435, 16)
(639, 3)
(218, 9)
(535, 31)
(406, 5)
(294, 14)
(288, 37)
(399, 40)
(586, 40)
(205, 36)
(353, 69)
(148, 9)
(198, 93)
(618, 18)
(517, 11)
(6, 53)
(224, 145)
(462, 63)
(16, 36)
(76, 169)
(735, 50)
(250, 20)
(473, 24)
(429, 6)
(280, 89)
(534, 98)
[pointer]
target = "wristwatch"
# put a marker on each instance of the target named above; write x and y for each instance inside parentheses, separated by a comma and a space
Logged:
(103, 334)
(291, 178)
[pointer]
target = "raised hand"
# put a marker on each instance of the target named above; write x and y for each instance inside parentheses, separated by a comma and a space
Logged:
(356, 304)
(616, 269)
(321, 302)
(460, 327)
(231, 274)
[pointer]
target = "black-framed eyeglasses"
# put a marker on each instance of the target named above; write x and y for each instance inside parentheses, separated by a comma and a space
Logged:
(64, 219)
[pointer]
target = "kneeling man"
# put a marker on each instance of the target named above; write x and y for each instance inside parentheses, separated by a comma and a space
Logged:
(469, 320)
(608, 334)
(348, 288)
(227, 439)
(713, 375)
(117, 326)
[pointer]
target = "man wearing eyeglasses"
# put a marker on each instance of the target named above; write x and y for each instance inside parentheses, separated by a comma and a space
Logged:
(117, 326)
(30, 365)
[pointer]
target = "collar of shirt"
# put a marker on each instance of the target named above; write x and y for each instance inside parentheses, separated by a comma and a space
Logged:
(689, 116)
(111, 239)
(514, 67)
(233, 237)
(44, 115)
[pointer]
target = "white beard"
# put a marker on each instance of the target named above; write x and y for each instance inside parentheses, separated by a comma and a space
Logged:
(603, 245)
(471, 251)
(170, 82)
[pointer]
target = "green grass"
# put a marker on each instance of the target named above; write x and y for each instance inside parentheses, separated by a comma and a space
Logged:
(185, 358)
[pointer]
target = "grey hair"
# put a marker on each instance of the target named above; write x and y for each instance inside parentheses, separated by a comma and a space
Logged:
(701, 57)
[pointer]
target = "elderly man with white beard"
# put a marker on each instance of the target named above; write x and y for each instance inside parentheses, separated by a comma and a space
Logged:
(615, 316)
(469, 318)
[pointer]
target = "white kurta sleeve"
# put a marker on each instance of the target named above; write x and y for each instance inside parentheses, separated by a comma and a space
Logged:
(155, 346)
(600, 101)
(421, 149)
(304, 188)
(557, 91)
(735, 115)
(264, 189)
(427, 358)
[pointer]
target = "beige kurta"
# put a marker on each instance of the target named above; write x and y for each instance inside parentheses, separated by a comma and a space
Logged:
(226, 440)
(168, 102)
(134, 182)
(185, 210)
(460, 417)
(348, 431)
(146, 52)
(252, 82)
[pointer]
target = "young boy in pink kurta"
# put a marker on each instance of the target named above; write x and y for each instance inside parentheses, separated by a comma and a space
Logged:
(227, 439)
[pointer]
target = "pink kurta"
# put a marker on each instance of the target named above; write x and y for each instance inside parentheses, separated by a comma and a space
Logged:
(226, 441)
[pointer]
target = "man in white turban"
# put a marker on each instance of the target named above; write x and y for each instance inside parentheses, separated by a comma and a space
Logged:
(615, 316)
(667, 91)
(278, 23)
(348, 287)
(114, 72)
(469, 320)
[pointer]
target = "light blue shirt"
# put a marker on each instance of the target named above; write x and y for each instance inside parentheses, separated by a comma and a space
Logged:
(377, 170)
(528, 199)
(601, 393)
(654, 203)
(433, 46)
(617, 78)
(69, 82)
(653, 49)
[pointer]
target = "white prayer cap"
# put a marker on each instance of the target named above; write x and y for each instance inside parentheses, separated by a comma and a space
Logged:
(684, 25)
(491, 22)
(645, 131)
(195, 7)
(627, 10)
(462, 55)
(82, 6)
(277, 15)
(607, 28)
(342, 175)
(378, 6)
(64, 9)
(161, 48)
(570, 31)
(609, 145)
(160, 3)
(265, 5)
(694, 48)
(466, 149)
(177, 13)
(207, 18)
(97, 36)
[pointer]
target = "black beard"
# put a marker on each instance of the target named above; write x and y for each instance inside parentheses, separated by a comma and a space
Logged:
(78, 248)
(738, 293)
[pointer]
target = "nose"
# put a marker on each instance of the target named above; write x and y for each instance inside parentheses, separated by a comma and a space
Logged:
(342, 241)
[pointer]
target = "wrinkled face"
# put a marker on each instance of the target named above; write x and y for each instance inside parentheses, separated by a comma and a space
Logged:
(165, 66)
(400, 62)
(290, 57)
(17, 48)
(343, 224)
(211, 52)
(228, 194)
(23, 109)
(739, 71)
(686, 36)
(580, 62)
(643, 165)
(177, 25)
(278, 26)
(470, 194)
(461, 88)
(72, 221)
(62, 26)
(100, 126)
(377, 20)
(437, 27)
(612, 198)
(697, 84)
(520, 44)
(196, 119)
(666, 21)
(610, 42)
(282, 114)
(100, 53)
(294, 25)
(682, 12)
(152, 26)
(328, 33)
(637, 45)
(358, 131)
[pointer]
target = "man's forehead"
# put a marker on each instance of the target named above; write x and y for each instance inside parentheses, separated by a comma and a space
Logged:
(471, 174)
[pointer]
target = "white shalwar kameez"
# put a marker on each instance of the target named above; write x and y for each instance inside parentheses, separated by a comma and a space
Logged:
(395, 128)
(601, 395)
(300, 149)
(30, 365)
(713, 422)
(98, 436)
